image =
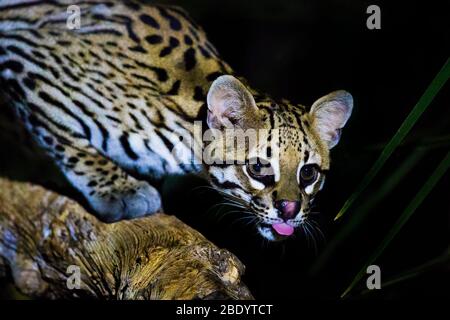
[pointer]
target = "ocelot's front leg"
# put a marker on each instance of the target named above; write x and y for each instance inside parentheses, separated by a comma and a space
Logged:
(111, 192)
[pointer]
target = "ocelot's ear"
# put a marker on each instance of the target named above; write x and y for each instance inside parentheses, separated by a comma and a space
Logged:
(329, 115)
(230, 104)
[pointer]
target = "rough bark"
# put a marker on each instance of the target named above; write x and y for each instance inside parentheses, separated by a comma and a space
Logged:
(157, 257)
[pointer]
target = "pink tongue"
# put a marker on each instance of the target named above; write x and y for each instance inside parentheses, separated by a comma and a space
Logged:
(283, 228)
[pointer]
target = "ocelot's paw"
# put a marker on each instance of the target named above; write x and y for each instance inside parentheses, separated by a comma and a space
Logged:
(130, 201)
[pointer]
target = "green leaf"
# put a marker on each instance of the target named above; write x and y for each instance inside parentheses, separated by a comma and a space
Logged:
(398, 137)
(404, 217)
(391, 182)
(429, 266)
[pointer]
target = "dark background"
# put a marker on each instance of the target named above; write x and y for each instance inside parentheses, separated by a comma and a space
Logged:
(302, 50)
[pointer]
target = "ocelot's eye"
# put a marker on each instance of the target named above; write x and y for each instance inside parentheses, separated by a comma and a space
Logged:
(261, 170)
(308, 174)
(254, 169)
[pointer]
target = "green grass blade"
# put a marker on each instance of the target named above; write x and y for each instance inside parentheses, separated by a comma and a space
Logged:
(443, 259)
(404, 217)
(363, 210)
(431, 142)
(398, 137)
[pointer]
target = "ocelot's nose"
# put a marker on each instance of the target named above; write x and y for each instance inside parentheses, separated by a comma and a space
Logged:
(287, 209)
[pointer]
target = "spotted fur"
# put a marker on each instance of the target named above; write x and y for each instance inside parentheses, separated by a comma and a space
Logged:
(116, 96)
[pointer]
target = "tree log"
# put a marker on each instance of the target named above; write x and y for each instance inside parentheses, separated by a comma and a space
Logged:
(42, 234)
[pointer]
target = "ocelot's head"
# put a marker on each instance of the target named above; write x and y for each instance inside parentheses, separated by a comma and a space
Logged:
(270, 158)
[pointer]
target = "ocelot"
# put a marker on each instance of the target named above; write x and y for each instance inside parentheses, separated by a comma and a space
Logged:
(119, 96)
